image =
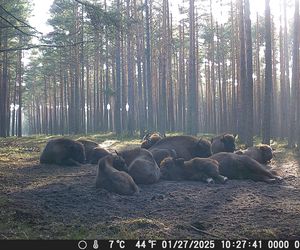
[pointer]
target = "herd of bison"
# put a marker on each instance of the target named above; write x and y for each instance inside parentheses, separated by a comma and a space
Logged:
(168, 158)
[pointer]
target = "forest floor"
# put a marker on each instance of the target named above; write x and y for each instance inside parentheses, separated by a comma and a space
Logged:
(52, 202)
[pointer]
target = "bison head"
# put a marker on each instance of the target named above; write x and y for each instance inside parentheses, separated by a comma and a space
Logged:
(203, 148)
(229, 142)
(267, 153)
(97, 153)
(119, 163)
(150, 139)
(172, 169)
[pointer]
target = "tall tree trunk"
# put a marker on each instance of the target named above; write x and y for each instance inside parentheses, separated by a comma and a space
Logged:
(162, 116)
(249, 84)
(82, 98)
(258, 87)
(243, 77)
(148, 69)
(266, 129)
(233, 73)
(181, 79)
(171, 119)
(192, 125)
(274, 115)
(117, 106)
(130, 77)
(77, 101)
(294, 112)
(4, 89)
(287, 69)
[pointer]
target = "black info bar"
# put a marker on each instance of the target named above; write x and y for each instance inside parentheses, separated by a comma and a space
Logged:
(147, 244)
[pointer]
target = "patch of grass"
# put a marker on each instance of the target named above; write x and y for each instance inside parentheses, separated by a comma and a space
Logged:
(11, 228)
(77, 233)
(121, 229)
(264, 233)
(138, 228)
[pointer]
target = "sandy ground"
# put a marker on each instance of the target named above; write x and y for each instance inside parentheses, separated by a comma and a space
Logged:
(53, 202)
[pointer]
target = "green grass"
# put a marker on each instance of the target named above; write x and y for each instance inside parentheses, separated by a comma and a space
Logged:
(264, 233)
(11, 226)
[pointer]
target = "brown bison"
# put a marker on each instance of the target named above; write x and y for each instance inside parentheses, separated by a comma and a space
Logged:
(150, 139)
(196, 169)
(160, 154)
(98, 153)
(141, 165)
(236, 166)
(223, 143)
(263, 153)
(63, 151)
(111, 176)
(88, 148)
(186, 147)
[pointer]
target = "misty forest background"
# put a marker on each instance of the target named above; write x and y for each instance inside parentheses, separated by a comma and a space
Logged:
(129, 66)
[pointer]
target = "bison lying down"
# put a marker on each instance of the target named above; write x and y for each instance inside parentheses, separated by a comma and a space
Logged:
(111, 176)
(197, 169)
(160, 154)
(93, 152)
(186, 147)
(223, 143)
(88, 147)
(150, 139)
(63, 151)
(236, 166)
(263, 153)
(141, 165)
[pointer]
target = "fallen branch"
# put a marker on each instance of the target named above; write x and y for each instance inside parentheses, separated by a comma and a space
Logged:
(5, 237)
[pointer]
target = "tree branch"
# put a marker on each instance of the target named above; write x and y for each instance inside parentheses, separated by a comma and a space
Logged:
(19, 19)
(15, 27)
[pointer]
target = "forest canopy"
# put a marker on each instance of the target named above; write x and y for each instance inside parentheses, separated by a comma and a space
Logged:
(142, 65)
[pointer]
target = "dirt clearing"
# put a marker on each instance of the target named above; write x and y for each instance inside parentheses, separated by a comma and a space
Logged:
(52, 202)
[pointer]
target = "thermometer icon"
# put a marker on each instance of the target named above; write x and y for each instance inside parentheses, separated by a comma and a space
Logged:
(95, 245)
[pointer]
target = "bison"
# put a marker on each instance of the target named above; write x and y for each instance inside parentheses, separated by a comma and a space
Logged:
(111, 176)
(141, 165)
(196, 169)
(223, 143)
(186, 147)
(150, 139)
(98, 153)
(236, 166)
(88, 148)
(160, 154)
(263, 153)
(63, 151)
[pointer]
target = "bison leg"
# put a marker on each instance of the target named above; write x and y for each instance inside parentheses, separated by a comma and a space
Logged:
(210, 181)
(267, 179)
(270, 181)
(221, 179)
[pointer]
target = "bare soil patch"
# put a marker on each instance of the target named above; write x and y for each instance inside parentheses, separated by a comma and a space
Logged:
(53, 202)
